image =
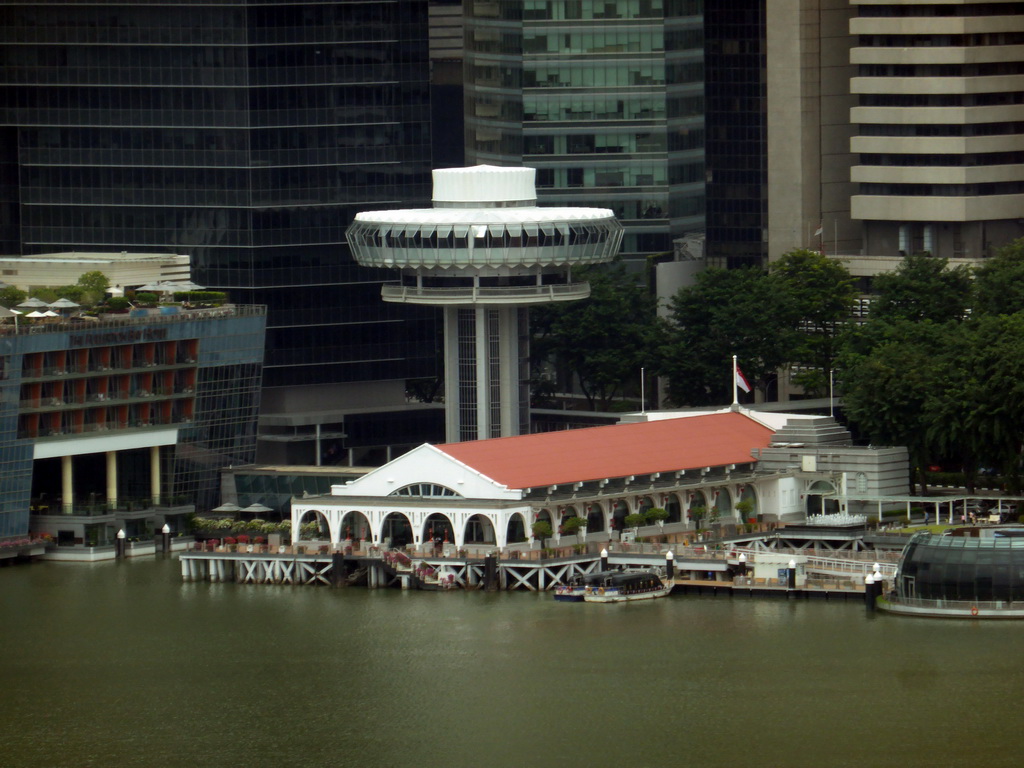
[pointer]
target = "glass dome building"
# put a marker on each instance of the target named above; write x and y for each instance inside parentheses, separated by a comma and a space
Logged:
(973, 575)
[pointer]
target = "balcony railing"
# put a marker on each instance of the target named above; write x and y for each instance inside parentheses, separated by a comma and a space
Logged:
(512, 294)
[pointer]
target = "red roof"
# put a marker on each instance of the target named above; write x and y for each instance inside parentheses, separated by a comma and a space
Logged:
(642, 448)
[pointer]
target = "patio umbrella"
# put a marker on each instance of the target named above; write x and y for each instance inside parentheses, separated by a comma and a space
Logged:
(51, 313)
(157, 287)
(5, 312)
(35, 313)
(227, 508)
(188, 285)
(33, 302)
(257, 509)
(63, 304)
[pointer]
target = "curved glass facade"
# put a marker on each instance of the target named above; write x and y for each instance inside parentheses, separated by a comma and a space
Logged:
(497, 244)
(961, 568)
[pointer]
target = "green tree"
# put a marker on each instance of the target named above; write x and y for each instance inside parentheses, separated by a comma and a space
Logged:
(602, 341)
(94, 281)
(922, 288)
(11, 296)
(995, 413)
(44, 294)
(542, 530)
(572, 526)
(634, 520)
(75, 293)
(999, 282)
(726, 312)
(822, 293)
(656, 515)
(887, 373)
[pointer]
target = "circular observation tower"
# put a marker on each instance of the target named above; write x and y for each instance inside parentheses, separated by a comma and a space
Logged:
(484, 253)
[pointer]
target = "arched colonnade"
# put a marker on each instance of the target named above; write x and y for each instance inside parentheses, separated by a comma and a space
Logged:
(382, 523)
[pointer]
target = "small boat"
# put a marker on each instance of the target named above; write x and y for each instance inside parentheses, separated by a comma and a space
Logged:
(574, 591)
(623, 586)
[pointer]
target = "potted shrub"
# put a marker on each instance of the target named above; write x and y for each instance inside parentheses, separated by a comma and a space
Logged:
(573, 525)
(541, 530)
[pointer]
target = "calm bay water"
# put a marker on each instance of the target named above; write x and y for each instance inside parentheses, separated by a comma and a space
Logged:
(125, 665)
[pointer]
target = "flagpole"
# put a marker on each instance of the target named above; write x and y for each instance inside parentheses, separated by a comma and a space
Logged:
(831, 393)
(735, 393)
(643, 401)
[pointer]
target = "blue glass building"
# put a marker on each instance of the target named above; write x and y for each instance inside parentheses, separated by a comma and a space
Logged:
(124, 422)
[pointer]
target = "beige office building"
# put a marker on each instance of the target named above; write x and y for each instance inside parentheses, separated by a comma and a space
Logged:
(939, 126)
(895, 127)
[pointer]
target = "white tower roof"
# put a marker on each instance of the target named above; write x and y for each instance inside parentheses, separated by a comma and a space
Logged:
(485, 184)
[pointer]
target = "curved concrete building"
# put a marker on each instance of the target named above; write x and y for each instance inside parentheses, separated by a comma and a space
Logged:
(485, 252)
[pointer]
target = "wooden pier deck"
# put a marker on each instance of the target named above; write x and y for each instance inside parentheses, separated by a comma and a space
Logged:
(695, 572)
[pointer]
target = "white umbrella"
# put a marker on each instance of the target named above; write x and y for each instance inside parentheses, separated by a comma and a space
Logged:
(257, 508)
(156, 287)
(188, 285)
(35, 313)
(229, 507)
(51, 313)
(33, 302)
(63, 304)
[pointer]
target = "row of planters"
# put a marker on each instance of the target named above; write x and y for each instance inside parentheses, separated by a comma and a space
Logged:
(210, 527)
(240, 543)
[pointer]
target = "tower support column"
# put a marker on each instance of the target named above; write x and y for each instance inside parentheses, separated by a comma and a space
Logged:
(154, 474)
(112, 479)
(67, 476)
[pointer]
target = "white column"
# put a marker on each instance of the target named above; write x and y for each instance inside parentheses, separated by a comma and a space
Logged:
(67, 483)
(112, 479)
(509, 345)
(451, 374)
(483, 378)
(154, 473)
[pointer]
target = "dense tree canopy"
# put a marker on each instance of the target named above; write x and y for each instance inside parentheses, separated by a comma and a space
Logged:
(999, 282)
(922, 288)
(727, 312)
(821, 293)
(603, 341)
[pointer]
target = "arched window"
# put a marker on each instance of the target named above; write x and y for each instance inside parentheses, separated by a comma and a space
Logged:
(426, 491)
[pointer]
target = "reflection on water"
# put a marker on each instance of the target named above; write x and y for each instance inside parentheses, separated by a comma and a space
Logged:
(126, 665)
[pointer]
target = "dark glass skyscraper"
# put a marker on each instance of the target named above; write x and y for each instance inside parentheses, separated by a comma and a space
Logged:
(737, 133)
(605, 100)
(241, 132)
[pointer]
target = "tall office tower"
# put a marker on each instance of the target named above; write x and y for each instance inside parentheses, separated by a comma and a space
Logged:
(604, 99)
(245, 133)
(446, 77)
(736, 117)
(940, 126)
(807, 76)
(485, 252)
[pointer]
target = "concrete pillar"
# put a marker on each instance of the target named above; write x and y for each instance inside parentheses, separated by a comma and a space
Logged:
(490, 573)
(112, 479)
(67, 484)
(338, 569)
(870, 592)
(154, 474)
